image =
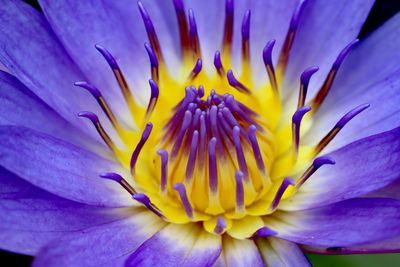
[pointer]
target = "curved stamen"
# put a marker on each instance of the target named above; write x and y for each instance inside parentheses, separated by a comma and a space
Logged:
(304, 81)
(192, 156)
(218, 64)
(187, 119)
(279, 194)
(194, 37)
(236, 84)
(256, 148)
(317, 163)
(246, 40)
(326, 86)
(267, 57)
(239, 208)
(153, 62)
(145, 200)
(153, 97)
(119, 179)
(196, 69)
(296, 121)
(220, 226)
(100, 129)
(212, 166)
(339, 126)
(183, 25)
(164, 169)
(139, 146)
(180, 188)
(239, 152)
(228, 28)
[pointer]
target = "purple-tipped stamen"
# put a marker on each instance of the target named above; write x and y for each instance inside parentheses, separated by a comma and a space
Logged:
(196, 69)
(212, 165)
(339, 126)
(151, 33)
(145, 200)
(180, 188)
(164, 168)
(119, 179)
(153, 62)
(239, 152)
(326, 86)
(278, 196)
(296, 122)
(107, 56)
(239, 176)
(220, 226)
(187, 119)
(304, 81)
(194, 37)
(218, 64)
(246, 36)
(153, 97)
(182, 23)
(192, 156)
(139, 146)
(236, 84)
(228, 28)
(267, 57)
(317, 163)
(256, 148)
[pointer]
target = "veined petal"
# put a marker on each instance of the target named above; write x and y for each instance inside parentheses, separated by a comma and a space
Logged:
(178, 245)
(348, 223)
(278, 252)
(373, 79)
(361, 167)
(325, 28)
(31, 51)
(59, 167)
(105, 245)
(32, 217)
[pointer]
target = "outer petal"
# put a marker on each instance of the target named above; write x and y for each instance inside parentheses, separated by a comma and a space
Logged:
(32, 217)
(29, 49)
(325, 28)
(106, 245)
(178, 245)
(361, 167)
(390, 191)
(281, 253)
(59, 167)
(352, 222)
(370, 74)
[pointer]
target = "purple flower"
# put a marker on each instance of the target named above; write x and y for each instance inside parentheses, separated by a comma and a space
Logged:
(219, 141)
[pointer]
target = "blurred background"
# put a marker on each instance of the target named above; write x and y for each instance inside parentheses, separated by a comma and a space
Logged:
(381, 11)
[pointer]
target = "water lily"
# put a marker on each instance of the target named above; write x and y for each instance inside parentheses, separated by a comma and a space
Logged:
(240, 134)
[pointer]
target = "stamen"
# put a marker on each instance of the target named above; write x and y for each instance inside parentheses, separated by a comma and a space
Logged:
(317, 163)
(153, 97)
(196, 70)
(180, 188)
(296, 121)
(101, 101)
(339, 125)
(183, 25)
(119, 179)
(285, 184)
(192, 156)
(164, 169)
(95, 120)
(239, 208)
(194, 37)
(304, 81)
(239, 152)
(139, 146)
(245, 40)
(236, 84)
(267, 57)
(256, 148)
(264, 232)
(151, 33)
(218, 64)
(326, 86)
(287, 45)
(228, 30)
(220, 226)
(153, 62)
(187, 119)
(145, 200)
(212, 166)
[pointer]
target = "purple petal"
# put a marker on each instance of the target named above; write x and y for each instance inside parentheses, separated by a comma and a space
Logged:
(105, 245)
(178, 245)
(325, 28)
(59, 167)
(370, 74)
(32, 217)
(351, 222)
(279, 252)
(390, 191)
(361, 167)
(29, 49)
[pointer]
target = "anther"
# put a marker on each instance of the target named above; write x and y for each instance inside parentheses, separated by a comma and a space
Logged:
(317, 163)
(326, 86)
(153, 62)
(296, 121)
(164, 169)
(304, 81)
(246, 38)
(182, 23)
(119, 179)
(218, 64)
(192, 156)
(228, 30)
(95, 120)
(139, 146)
(256, 148)
(145, 200)
(236, 84)
(153, 97)
(267, 57)
(180, 188)
(212, 165)
(239, 152)
(339, 125)
(278, 196)
(239, 208)
(220, 226)
(196, 69)
(194, 37)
